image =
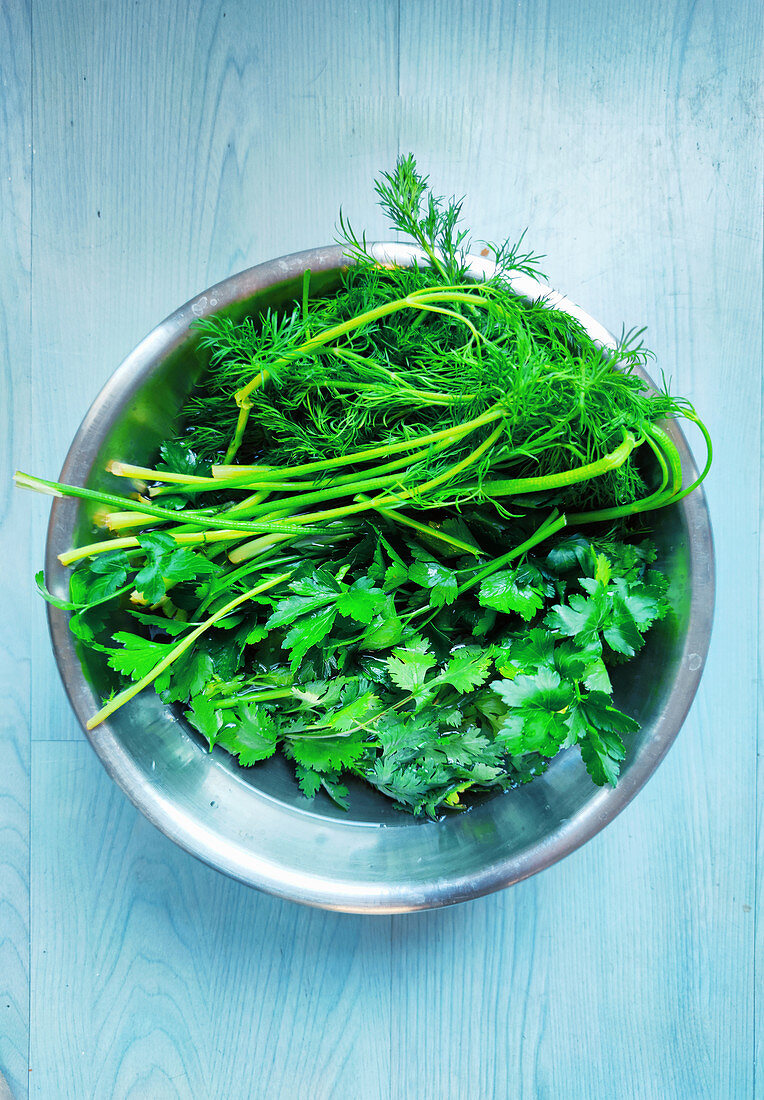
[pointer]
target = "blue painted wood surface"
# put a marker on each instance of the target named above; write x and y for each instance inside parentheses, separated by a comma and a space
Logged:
(150, 149)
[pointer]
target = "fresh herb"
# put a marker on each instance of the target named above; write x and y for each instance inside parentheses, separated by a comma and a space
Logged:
(372, 547)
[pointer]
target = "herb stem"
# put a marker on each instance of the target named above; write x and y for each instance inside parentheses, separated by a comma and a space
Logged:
(57, 488)
(519, 485)
(553, 523)
(264, 696)
(428, 532)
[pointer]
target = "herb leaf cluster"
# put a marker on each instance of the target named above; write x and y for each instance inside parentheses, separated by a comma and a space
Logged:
(399, 535)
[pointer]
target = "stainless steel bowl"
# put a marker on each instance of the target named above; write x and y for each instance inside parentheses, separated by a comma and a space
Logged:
(253, 824)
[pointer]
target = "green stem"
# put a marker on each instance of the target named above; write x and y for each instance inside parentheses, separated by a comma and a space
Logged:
(255, 547)
(132, 543)
(329, 491)
(366, 505)
(660, 498)
(58, 489)
(550, 526)
(231, 474)
(519, 485)
(428, 532)
(264, 696)
(452, 436)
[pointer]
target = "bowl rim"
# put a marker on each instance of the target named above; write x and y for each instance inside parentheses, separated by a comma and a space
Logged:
(605, 804)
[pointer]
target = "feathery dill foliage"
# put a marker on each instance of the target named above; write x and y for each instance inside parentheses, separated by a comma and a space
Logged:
(453, 350)
(396, 579)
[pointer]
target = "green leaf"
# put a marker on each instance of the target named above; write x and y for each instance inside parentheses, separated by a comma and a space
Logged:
(526, 652)
(571, 553)
(319, 583)
(225, 651)
(328, 754)
(643, 602)
(437, 577)
(82, 629)
(290, 608)
(256, 634)
(408, 670)
(138, 657)
(537, 719)
(167, 563)
(56, 601)
(310, 781)
(458, 529)
(205, 718)
(189, 674)
(308, 632)
(519, 590)
(362, 601)
(466, 670)
(401, 735)
(319, 693)
(384, 629)
(621, 632)
(376, 569)
(535, 730)
(396, 574)
(253, 737)
(580, 662)
(355, 712)
(180, 458)
(99, 580)
(337, 791)
(108, 573)
(602, 754)
(173, 627)
(596, 712)
(580, 618)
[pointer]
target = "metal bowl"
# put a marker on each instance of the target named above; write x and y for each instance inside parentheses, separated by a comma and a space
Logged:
(253, 824)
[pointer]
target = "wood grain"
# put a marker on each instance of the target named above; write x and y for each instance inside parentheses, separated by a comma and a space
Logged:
(156, 977)
(176, 143)
(15, 542)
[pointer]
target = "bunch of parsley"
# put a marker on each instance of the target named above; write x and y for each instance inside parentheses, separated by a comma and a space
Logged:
(371, 548)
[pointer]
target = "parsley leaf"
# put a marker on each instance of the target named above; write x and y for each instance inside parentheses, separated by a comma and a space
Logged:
(111, 572)
(408, 669)
(138, 656)
(309, 631)
(519, 590)
(468, 668)
(438, 578)
(205, 717)
(362, 601)
(252, 736)
(310, 781)
(167, 563)
(328, 754)
(536, 720)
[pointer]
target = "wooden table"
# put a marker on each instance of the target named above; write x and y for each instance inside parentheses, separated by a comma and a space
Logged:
(150, 149)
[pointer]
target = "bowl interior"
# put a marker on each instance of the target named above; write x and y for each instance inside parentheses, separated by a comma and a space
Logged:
(254, 823)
